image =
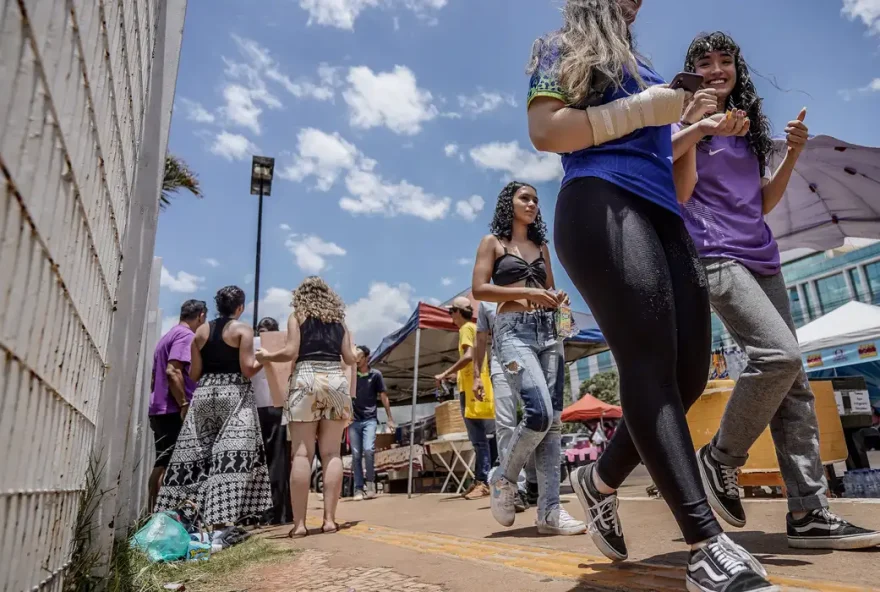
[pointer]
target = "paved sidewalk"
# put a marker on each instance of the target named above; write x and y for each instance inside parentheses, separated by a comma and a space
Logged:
(442, 543)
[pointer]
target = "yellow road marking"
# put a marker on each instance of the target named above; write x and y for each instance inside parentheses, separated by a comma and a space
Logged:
(597, 571)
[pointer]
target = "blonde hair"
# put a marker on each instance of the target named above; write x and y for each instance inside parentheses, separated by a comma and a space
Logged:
(314, 298)
(595, 47)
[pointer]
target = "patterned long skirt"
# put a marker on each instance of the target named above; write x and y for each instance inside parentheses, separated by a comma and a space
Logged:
(219, 462)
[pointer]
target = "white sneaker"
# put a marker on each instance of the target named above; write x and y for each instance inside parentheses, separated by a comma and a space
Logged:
(358, 496)
(370, 491)
(503, 501)
(558, 521)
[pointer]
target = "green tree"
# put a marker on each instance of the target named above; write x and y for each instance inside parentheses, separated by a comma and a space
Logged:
(178, 176)
(605, 386)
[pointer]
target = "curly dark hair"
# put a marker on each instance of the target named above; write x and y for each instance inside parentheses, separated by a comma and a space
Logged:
(502, 222)
(228, 299)
(744, 95)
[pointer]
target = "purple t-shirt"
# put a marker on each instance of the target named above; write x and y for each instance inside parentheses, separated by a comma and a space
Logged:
(174, 345)
(725, 215)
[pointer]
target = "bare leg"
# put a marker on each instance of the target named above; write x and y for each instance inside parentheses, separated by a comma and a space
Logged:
(302, 447)
(153, 485)
(329, 437)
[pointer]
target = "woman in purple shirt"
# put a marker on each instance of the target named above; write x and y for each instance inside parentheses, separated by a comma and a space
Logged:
(725, 216)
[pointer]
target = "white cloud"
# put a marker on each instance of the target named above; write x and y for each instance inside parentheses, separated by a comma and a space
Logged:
(382, 311)
(371, 194)
(248, 278)
(470, 207)
(871, 87)
(434, 301)
(241, 105)
(276, 304)
(246, 91)
(329, 157)
(233, 146)
(464, 261)
(284, 227)
(322, 155)
(868, 11)
(447, 281)
(210, 262)
(311, 252)
(483, 102)
(525, 165)
(183, 282)
(195, 112)
(450, 150)
(169, 323)
(391, 99)
(342, 14)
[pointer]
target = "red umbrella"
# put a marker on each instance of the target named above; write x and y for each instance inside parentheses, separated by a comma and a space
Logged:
(589, 407)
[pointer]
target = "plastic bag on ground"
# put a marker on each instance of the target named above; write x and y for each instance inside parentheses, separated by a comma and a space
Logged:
(163, 538)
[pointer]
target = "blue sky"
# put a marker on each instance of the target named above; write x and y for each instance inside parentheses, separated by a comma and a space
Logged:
(394, 124)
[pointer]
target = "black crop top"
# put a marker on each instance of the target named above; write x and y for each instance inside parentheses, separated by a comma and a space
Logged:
(218, 357)
(320, 341)
(511, 269)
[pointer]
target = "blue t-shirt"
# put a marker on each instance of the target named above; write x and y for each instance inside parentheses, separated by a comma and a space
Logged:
(640, 162)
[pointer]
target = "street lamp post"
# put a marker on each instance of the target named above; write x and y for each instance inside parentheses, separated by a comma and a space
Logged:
(262, 171)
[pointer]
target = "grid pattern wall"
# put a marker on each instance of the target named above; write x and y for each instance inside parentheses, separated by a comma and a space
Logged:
(74, 76)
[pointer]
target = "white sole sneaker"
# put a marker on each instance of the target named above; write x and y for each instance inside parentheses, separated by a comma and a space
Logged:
(865, 541)
(562, 530)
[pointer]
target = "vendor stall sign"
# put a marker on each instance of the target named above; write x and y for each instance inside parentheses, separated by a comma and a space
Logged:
(814, 360)
(867, 350)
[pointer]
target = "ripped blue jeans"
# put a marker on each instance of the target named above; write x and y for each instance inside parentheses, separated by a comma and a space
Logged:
(531, 358)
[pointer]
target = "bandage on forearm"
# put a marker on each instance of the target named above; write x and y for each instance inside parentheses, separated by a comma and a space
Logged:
(655, 106)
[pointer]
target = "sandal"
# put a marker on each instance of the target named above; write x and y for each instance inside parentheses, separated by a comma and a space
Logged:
(334, 531)
(292, 534)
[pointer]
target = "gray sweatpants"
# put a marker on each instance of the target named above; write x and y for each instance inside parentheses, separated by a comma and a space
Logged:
(773, 388)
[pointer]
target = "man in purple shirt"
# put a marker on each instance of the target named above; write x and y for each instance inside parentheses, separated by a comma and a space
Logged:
(172, 388)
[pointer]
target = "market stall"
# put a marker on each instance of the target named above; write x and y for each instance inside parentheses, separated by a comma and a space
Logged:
(427, 344)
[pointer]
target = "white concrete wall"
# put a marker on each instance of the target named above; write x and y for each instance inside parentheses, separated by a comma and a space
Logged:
(78, 88)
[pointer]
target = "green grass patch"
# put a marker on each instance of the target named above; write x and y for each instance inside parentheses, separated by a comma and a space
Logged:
(198, 575)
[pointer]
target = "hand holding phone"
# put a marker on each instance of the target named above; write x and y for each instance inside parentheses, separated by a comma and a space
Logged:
(687, 81)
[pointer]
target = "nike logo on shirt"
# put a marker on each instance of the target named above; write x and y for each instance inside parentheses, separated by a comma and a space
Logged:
(714, 152)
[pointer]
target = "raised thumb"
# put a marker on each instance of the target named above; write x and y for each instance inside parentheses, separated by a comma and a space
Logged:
(802, 115)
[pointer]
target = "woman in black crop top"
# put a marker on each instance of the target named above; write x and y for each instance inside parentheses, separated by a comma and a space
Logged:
(219, 462)
(513, 269)
(319, 394)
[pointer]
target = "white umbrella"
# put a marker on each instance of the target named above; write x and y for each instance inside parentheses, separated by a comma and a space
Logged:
(834, 194)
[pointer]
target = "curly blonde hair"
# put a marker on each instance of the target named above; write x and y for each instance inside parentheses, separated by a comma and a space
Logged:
(596, 50)
(314, 298)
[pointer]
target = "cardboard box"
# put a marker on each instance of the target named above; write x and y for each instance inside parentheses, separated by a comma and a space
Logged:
(704, 418)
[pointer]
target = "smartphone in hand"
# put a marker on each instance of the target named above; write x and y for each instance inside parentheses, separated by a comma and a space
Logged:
(688, 81)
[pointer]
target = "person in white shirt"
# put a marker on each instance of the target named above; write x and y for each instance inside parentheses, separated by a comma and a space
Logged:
(274, 439)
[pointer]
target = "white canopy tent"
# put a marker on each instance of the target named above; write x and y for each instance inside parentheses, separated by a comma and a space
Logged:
(853, 322)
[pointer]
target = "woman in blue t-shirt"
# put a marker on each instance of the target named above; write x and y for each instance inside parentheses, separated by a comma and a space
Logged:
(620, 236)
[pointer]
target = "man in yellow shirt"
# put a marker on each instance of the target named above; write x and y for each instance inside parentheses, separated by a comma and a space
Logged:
(478, 409)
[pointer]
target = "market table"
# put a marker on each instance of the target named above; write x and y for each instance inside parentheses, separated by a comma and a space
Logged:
(458, 445)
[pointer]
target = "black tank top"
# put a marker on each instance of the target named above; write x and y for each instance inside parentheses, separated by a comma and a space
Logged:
(510, 269)
(218, 357)
(320, 341)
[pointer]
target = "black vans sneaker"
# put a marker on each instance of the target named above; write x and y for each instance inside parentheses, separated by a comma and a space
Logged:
(603, 523)
(722, 488)
(718, 567)
(821, 529)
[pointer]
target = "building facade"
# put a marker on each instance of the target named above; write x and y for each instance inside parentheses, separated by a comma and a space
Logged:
(817, 284)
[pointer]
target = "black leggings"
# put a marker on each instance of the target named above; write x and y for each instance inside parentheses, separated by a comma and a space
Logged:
(636, 266)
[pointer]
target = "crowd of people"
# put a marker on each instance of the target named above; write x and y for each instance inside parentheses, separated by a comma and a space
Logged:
(660, 218)
(221, 441)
